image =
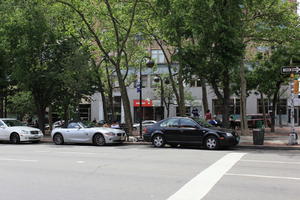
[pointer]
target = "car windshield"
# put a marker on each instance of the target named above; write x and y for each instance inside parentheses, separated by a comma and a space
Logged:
(83, 125)
(11, 122)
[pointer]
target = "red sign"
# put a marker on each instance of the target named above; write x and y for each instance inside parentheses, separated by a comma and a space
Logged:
(145, 103)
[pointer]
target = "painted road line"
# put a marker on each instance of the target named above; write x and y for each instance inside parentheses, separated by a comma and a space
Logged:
(200, 185)
(17, 160)
(274, 162)
(262, 176)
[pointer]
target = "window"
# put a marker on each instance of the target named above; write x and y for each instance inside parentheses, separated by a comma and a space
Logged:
(234, 106)
(187, 123)
(1, 124)
(170, 123)
(158, 56)
(281, 106)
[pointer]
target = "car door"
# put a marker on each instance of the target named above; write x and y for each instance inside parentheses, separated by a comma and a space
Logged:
(170, 128)
(75, 133)
(190, 131)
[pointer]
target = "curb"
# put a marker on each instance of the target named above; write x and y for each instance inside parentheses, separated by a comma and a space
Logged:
(243, 145)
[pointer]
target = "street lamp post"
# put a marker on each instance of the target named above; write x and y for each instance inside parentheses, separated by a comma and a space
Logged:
(149, 64)
(158, 78)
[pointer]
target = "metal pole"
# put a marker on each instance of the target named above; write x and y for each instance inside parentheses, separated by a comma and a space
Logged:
(293, 134)
(141, 112)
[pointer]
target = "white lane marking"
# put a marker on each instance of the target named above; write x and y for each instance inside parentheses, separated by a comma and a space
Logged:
(262, 176)
(80, 162)
(18, 160)
(200, 185)
(275, 162)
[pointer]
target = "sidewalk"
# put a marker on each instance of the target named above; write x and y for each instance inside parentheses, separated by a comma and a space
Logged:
(278, 139)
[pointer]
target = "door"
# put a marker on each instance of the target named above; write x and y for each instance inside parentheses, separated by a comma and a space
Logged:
(190, 131)
(171, 131)
(75, 133)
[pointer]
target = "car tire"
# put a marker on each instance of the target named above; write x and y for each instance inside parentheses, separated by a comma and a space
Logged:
(211, 143)
(99, 140)
(14, 138)
(158, 141)
(58, 139)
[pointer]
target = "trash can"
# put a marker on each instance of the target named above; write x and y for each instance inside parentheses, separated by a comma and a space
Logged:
(258, 136)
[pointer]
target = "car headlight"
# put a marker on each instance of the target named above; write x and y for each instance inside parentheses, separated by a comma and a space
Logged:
(229, 134)
(110, 134)
(25, 132)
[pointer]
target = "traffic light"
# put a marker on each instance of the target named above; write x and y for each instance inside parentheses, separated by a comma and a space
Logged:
(296, 86)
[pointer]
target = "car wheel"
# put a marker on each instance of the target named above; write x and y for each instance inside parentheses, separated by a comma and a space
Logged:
(15, 138)
(99, 140)
(58, 139)
(212, 143)
(158, 141)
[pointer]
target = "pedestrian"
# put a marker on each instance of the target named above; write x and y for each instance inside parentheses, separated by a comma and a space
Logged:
(208, 116)
(195, 112)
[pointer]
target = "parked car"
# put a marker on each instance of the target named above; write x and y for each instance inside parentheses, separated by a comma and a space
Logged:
(15, 131)
(254, 120)
(186, 131)
(77, 132)
(145, 123)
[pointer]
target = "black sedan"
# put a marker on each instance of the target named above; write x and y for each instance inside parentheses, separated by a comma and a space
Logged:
(186, 131)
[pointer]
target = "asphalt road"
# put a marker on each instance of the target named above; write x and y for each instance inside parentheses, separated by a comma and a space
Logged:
(85, 172)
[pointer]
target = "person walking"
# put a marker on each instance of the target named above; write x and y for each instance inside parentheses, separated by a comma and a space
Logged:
(208, 116)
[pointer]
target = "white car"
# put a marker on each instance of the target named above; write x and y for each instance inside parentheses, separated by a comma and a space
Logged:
(15, 131)
(77, 132)
(145, 123)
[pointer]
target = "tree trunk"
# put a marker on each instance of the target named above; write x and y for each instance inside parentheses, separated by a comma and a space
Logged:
(1, 103)
(243, 100)
(125, 100)
(50, 117)
(66, 114)
(274, 104)
(263, 108)
(41, 111)
(110, 95)
(181, 103)
(204, 95)
(226, 92)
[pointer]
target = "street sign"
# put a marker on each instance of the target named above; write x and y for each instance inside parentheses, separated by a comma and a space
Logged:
(290, 70)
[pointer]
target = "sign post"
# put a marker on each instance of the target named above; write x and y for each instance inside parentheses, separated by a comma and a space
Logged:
(292, 70)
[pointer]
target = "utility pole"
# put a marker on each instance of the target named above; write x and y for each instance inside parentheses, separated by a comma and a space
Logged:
(294, 89)
(294, 84)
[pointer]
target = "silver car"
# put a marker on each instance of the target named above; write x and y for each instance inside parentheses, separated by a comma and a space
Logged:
(15, 131)
(77, 132)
